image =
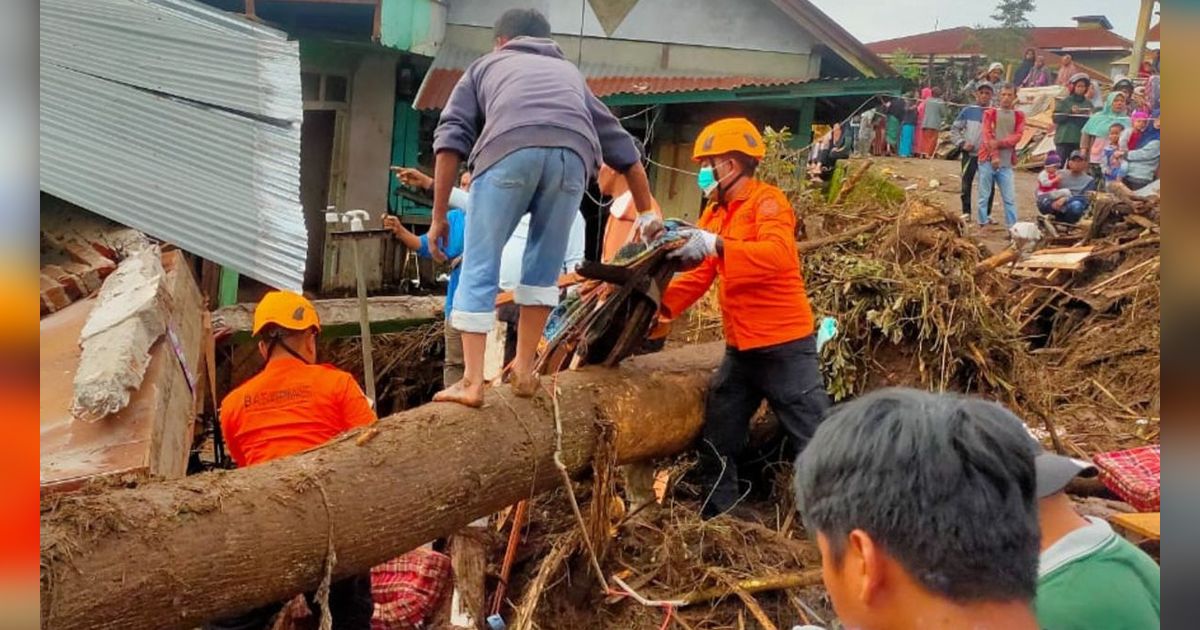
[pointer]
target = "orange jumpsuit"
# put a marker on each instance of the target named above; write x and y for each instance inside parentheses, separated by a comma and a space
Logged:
(290, 407)
(771, 351)
(761, 292)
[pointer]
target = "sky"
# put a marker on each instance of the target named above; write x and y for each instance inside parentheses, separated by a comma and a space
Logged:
(874, 21)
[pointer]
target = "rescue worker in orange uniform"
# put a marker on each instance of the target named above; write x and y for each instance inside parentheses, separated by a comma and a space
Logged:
(292, 405)
(747, 240)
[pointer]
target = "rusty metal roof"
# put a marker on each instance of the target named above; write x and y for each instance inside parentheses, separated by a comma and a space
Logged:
(604, 79)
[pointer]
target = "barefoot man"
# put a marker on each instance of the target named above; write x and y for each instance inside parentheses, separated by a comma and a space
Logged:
(533, 134)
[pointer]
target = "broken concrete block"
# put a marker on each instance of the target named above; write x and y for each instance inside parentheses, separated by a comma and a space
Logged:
(54, 297)
(68, 281)
(83, 253)
(130, 314)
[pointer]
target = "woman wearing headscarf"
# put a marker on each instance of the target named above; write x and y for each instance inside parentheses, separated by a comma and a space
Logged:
(926, 92)
(1066, 70)
(1094, 138)
(1026, 65)
(1038, 75)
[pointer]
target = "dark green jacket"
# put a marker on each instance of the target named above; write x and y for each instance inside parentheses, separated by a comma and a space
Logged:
(1069, 127)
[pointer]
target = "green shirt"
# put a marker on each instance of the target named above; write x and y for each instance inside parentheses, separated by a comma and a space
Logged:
(1093, 579)
(1068, 125)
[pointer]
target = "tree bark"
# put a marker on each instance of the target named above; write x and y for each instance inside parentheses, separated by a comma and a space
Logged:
(175, 554)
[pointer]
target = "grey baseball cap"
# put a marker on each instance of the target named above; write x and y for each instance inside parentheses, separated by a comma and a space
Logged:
(1055, 471)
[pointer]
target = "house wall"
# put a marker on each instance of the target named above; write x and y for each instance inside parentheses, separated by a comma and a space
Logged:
(745, 24)
(362, 149)
(1099, 60)
(660, 55)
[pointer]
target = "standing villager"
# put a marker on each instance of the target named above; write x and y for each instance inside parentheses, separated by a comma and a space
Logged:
(1027, 62)
(1070, 115)
(896, 111)
(747, 241)
(993, 76)
(533, 134)
(931, 125)
(866, 132)
(1002, 129)
(967, 133)
(908, 129)
(1067, 69)
(1094, 137)
(879, 143)
(1038, 75)
(456, 218)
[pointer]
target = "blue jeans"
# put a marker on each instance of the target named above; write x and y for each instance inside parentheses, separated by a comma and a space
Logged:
(1003, 177)
(1071, 212)
(546, 182)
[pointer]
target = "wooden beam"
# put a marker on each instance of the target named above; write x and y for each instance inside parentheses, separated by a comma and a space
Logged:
(339, 317)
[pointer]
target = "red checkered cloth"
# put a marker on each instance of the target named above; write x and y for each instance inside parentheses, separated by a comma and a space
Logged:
(408, 589)
(1133, 475)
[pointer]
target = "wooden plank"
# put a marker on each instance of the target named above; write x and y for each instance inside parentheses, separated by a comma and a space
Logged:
(174, 427)
(1064, 250)
(1141, 523)
(1071, 261)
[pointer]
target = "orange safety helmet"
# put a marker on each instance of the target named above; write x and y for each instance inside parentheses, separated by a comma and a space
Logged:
(285, 309)
(728, 135)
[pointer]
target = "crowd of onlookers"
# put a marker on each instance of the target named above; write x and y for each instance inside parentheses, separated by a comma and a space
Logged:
(1103, 138)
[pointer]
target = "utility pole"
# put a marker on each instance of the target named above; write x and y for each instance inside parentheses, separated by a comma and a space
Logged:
(1139, 37)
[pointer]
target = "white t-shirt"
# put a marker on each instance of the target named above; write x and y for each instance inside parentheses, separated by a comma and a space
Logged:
(514, 251)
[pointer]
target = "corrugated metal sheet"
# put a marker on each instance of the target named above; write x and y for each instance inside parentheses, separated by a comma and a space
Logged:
(603, 79)
(181, 48)
(179, 149)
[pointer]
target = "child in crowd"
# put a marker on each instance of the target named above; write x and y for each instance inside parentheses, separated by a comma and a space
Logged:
(1112, 166)
(1050, 186)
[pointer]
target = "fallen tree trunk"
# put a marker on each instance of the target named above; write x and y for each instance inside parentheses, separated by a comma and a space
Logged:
(175, 554)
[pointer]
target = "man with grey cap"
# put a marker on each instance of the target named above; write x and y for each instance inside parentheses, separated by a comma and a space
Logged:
(1088, 576)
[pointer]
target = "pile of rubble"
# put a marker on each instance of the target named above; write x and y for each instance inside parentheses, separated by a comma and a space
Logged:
(1067, 336)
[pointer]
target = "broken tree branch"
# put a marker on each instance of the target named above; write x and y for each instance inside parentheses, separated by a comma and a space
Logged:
(852, 181)
(756, 585)
(808, 246)
(996, 260)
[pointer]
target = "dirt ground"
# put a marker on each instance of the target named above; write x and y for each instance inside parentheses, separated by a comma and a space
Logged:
(908, 171)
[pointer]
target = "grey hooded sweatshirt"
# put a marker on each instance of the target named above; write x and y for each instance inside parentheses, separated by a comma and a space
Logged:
(527, 94)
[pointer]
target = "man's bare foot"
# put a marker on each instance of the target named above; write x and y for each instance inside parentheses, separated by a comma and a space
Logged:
(463, 393)
(524, 385)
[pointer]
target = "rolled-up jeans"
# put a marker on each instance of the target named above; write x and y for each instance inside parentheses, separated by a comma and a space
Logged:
(1003, 177)
(546, 182)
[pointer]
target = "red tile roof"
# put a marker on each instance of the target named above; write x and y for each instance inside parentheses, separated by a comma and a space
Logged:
(604, 80)
(960, 40)
(1153, 35)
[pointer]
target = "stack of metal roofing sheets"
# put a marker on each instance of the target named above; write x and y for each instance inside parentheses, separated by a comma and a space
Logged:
(181, 121)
